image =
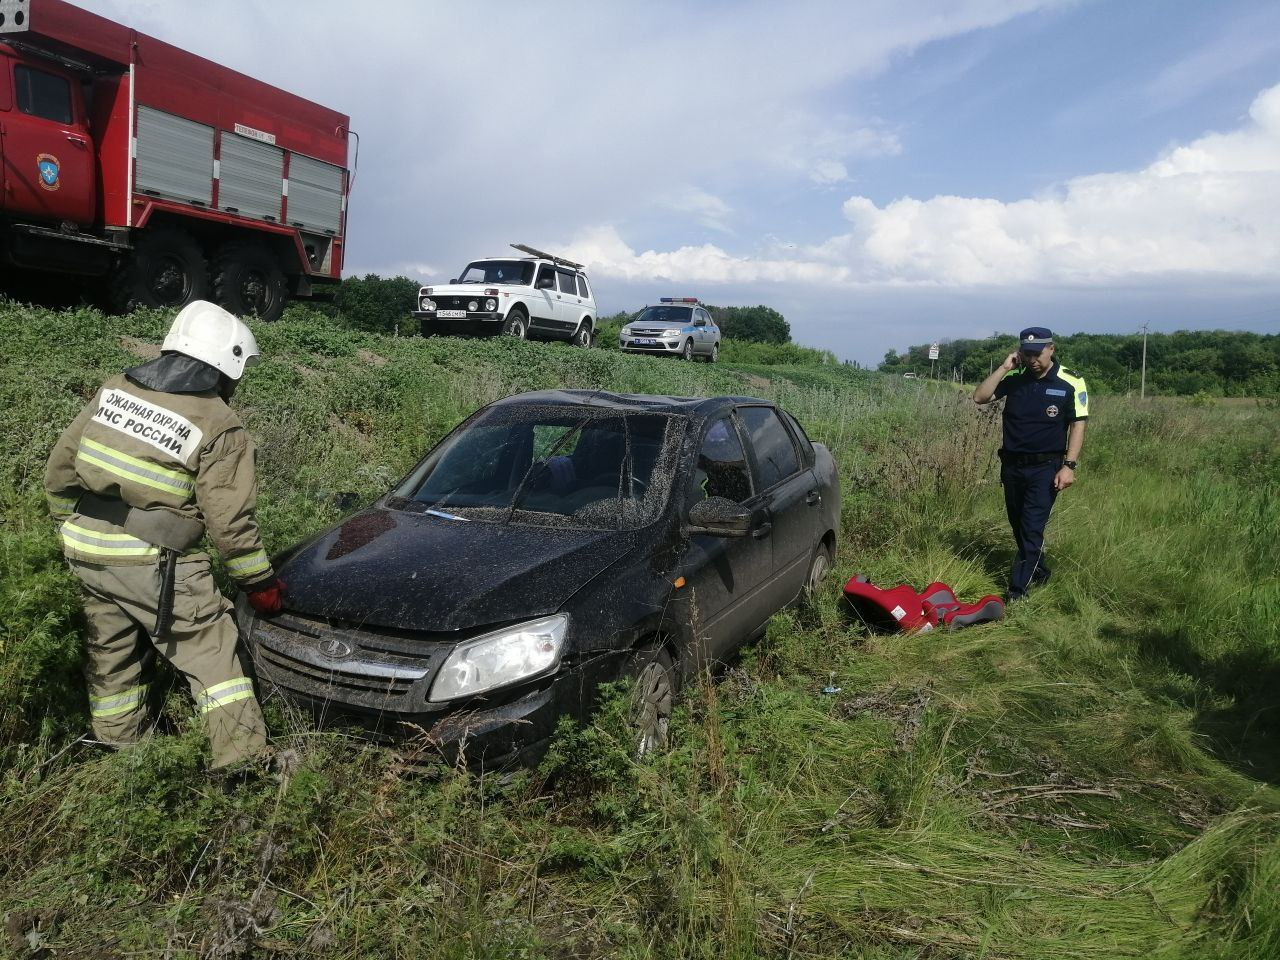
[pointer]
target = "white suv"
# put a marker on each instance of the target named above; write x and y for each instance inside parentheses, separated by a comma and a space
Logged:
(540, 297)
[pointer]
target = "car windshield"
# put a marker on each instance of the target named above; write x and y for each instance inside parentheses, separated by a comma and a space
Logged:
(665, 314)
(498, 271)
(550, 466)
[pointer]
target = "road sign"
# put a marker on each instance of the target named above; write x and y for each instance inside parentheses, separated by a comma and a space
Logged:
(933, 351)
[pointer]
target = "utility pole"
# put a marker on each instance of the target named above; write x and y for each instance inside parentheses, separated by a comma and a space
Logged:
(1142, 395)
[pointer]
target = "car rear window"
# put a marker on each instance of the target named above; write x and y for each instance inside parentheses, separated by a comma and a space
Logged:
(550, 467)
(568, 282)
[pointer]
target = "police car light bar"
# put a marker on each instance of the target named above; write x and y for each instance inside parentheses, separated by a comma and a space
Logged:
(678, 299)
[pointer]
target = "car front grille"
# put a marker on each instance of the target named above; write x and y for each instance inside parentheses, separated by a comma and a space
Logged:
(655, 332)
(368, 669)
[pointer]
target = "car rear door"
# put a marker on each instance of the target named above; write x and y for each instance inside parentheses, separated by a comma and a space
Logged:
(789, 492)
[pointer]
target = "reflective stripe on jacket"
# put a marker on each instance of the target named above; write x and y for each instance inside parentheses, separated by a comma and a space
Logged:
(184, 453)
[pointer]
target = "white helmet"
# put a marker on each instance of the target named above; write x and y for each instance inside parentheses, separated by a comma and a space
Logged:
(207, 332)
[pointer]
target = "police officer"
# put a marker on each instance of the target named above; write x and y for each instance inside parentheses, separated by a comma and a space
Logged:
(153, 463)
(1044, 419)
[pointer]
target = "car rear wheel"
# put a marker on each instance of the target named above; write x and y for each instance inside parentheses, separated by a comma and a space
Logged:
(715, 353)
(819, 568)
(653, 692)
(687, 352)
(583, 336)
(516, 325)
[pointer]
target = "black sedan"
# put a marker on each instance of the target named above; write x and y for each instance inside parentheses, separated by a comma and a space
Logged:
(552, 542)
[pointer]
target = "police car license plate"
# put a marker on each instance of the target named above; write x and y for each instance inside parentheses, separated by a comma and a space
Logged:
(645, 341)
(452, 314)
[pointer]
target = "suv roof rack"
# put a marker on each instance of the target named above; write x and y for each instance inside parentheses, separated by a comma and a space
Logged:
(533, 251)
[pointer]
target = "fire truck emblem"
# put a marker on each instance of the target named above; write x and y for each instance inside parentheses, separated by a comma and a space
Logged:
(49, 168)
(1051, 410)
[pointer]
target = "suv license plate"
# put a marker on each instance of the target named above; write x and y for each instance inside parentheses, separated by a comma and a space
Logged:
(452, 314)
(644, 341)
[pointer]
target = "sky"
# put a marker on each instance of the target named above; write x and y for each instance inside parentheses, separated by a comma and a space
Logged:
(882, 173)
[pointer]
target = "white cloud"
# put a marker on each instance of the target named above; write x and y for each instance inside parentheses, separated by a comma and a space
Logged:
(705, 208)
(1211, 206)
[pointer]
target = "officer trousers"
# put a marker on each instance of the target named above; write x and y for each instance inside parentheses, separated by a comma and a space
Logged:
(1028, 500)
(120, 603)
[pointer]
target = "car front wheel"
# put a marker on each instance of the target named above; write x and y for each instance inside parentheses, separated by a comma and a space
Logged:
(687, 352)
(516, 325)
(653, 693)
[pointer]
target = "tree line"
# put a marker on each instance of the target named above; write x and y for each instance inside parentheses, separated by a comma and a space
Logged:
(1188, 362)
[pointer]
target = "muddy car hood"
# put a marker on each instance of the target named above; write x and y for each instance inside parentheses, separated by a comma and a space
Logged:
(409, 571)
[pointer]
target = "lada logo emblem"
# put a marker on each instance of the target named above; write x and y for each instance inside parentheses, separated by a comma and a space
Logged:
(335, 649)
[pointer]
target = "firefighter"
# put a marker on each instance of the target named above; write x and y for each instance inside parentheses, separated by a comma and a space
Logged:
(1045, 411)
(152, 464)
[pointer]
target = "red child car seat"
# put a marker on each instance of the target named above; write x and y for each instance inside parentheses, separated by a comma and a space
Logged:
(901, 608)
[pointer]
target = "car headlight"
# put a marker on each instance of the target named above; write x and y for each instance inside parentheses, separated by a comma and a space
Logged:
(501, 658)
(673, 332)
(426, 303)
(473, 306)
(626, 331)
(491, 305)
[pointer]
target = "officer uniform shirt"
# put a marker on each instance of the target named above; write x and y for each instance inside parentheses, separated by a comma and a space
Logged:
(1038, 411)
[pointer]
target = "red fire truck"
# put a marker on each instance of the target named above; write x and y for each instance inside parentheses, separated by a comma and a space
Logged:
(166, 175)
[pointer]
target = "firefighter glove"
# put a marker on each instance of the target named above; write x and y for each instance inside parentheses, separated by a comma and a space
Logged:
(267, 599)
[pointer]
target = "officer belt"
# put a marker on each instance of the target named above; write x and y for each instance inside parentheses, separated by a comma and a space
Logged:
(161, 527)
(1028, 459)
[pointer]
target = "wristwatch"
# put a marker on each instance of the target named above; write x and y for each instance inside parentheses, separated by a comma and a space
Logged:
(1072, 464)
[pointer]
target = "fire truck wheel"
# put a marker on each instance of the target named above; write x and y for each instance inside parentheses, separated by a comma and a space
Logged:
(166, 269)
(248, 281)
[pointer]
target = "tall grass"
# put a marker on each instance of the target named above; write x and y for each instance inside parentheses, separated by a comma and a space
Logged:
(1092, 777)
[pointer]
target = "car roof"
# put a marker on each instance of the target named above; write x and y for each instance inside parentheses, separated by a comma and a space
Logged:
(629, 402)
(526, 260)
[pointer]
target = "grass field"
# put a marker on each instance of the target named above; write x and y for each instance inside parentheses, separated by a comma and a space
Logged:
(1093, 777)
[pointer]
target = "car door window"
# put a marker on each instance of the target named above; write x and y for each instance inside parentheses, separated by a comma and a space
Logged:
(721, 469)
(775, 452)
(43, 94)
(568, 282)
(545, 274)
(583, 290)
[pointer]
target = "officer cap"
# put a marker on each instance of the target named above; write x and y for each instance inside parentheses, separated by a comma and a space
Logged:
(1035, 339)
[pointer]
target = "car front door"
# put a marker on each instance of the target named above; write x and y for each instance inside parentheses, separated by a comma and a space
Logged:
(542, 310)
(725, 574)
(48, 154)
(789, 492)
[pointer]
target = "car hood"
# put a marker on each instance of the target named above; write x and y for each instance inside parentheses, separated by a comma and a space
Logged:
(408, 571)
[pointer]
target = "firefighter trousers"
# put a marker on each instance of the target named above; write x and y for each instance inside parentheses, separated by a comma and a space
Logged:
(120, 603)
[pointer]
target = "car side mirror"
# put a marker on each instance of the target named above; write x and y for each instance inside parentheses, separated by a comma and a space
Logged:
(453, 279)
(719, 517)
(546, 283)
(699, 323)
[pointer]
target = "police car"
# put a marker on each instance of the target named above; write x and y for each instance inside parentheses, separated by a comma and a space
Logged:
(677, 326)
